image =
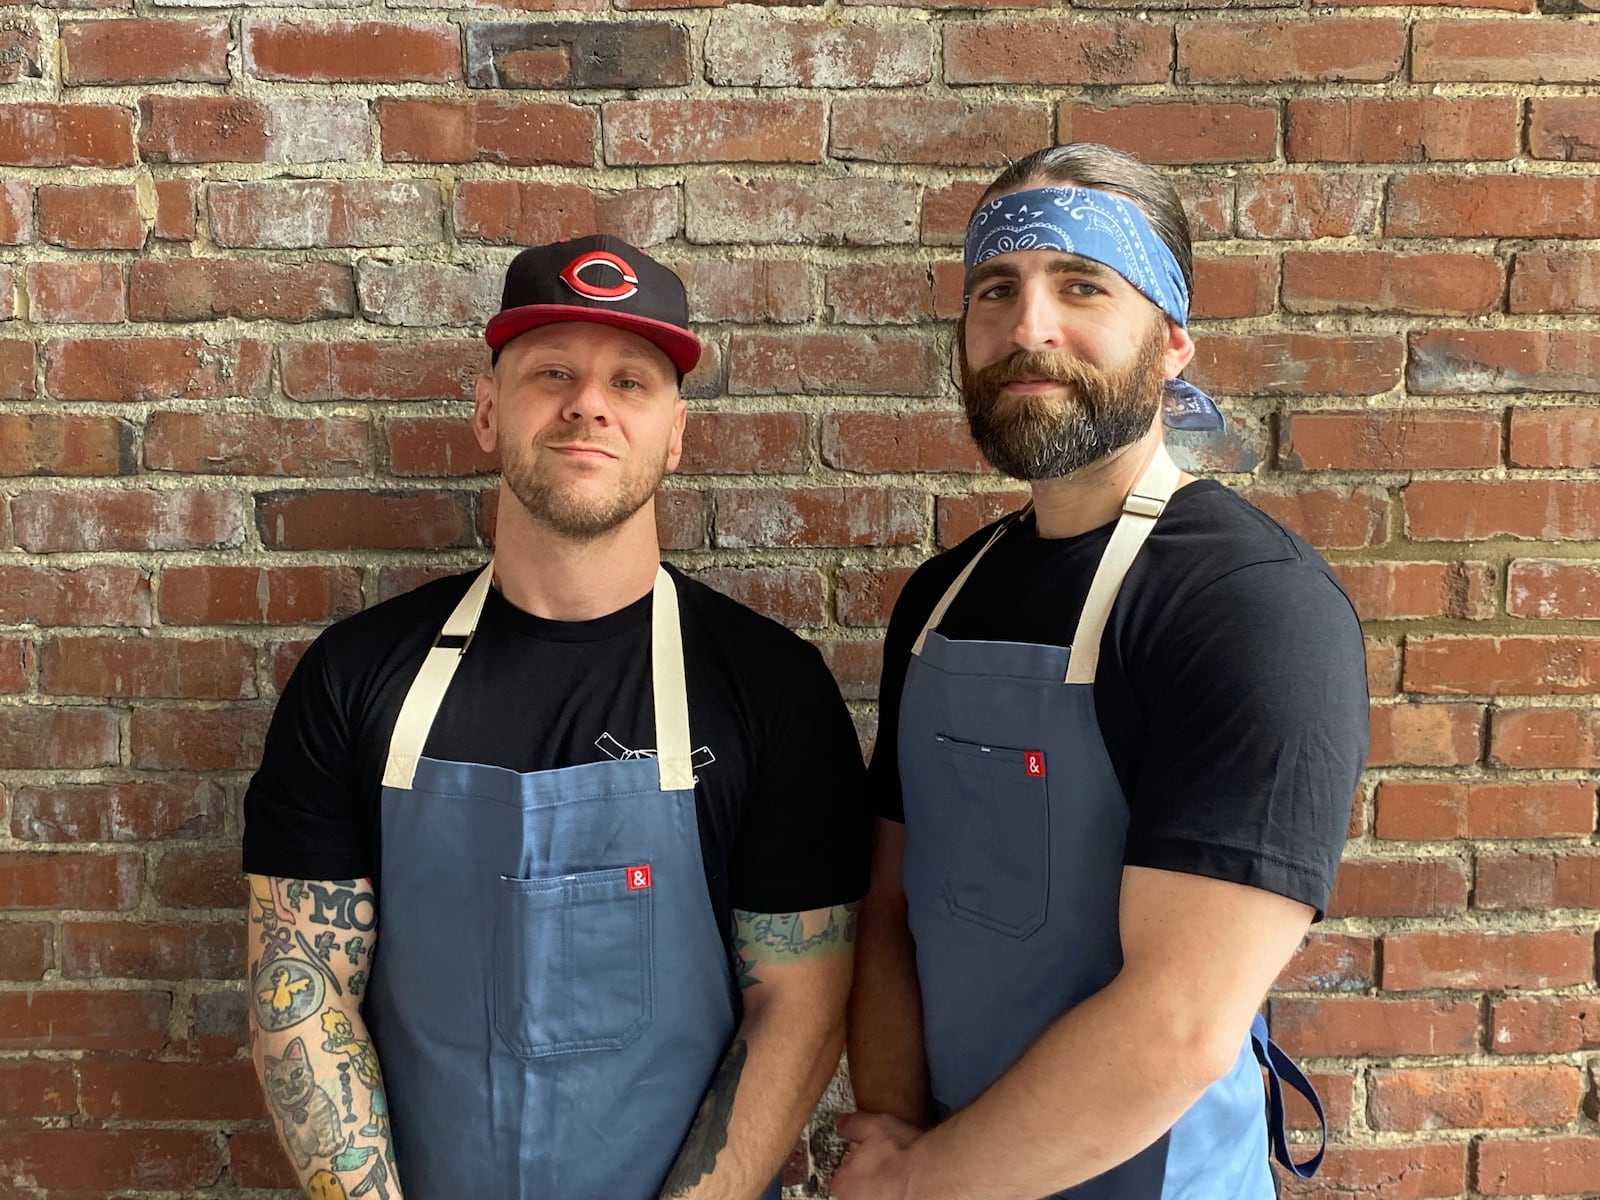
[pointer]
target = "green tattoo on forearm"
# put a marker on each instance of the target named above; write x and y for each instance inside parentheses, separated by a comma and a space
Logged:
(776, 938)
(709, 1133)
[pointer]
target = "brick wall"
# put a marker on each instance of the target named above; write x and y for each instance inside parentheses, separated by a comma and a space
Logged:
(243, 257)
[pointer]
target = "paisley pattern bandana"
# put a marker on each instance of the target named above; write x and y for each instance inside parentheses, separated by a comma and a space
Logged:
(1111, 231)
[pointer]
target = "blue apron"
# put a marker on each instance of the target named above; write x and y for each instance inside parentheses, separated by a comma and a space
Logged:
(1015, 830)
(550, 995)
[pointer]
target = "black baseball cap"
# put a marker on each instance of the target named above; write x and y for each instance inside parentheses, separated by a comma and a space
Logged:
(601, 279)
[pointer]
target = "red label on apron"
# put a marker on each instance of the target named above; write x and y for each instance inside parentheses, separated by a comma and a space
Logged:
(638, 877)
(1033, 761)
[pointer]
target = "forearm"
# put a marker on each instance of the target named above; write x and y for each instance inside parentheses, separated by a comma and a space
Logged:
(888, 1068)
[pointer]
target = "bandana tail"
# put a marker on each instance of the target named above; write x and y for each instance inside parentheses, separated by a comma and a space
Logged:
(1186, 407)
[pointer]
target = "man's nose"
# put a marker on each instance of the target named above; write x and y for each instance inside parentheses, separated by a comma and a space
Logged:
(588, 402)
(1038, 325)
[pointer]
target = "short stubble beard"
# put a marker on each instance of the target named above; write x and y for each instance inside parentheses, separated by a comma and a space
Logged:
(565, 510)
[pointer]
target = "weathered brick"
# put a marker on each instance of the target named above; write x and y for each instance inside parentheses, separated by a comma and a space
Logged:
(232, 595)
(16, 213)
(27, 951)
(435, 446)
(1508, 51)
(372, 520)
(213, 669)
(226, 739)
(880, 442)
(33, 1088)
(748, 291)
(57, 738)
(297, 214)
(873, 293)
(1526, 882)
(1568, 282)
(1545, 737)
(426, 294)
(87, 292)
(1379, 281)
(387, 370)
(89, 881)
(826, 516)
(1402, 129)
(1425, 735)
(148, 950)
(178, 519)
(886, 364)
(143, 51)
(155, 368)
(1387, 591)
(1498, 361)
(66, 135)
(829, 212)
(791, 595)
(562, 55)
(68, 444)
(1297, 364)
(17, 367)
(1176, 132)
(1502, 666)
(21, 53)
(95, 217)
(1327, 50)
(112, 1159)
(935, 131)
(208, 129)
(1476, 1097)
(151, 810)
(866, 596)
(767, 51)
(1565, 128)
(515, 133)
(1424, 811)
(1413, 1171)
(1337, 1027)
(1103, 50)
(1307, 207)
(89, 1020)
(1389, 441)
(656, 132)
(248, 444)
(957, 518)
(1533, 509)
(175, 210)
(1511, 206)
(741, 443)
(1434, 888)
(1478, 960)
(1330, 962)
(206, 290)
(1552, 1166)
(946, 210)
(1545, 1025)
(531, 214)
(855, 664)
(353, 51)
(100, 595)
(1553, 589)
(137, 1089)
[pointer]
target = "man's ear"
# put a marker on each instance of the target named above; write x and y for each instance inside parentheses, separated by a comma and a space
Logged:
(1178, 351)
(680, 417)
(483, 413)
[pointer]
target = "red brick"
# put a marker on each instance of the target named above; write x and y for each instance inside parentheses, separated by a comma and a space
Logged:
(1506, 51)
(1329, 517)
(1545, 737)
(1501, 361)
(768, 51)
(27, 951)
(206, 129)
(1511, 206)
(137, 1089)
(1402, 129)
(30, 1088)
(1553, 589)
(1414, 1171)
(1295, 364)
(296, 214)
(1327, 50)
(873, 293)
(175, 210)
(949, 281)
(824, 516)
(884, 442)
(516, 133)
(827, 212)
(353, 51)
(47, 881)
(100, 595)
(84, 1020)
(66, 135)
(865, 597)
(246, 444)
(180, 519)
(1388, 591)
(1425, 811)
(90, 292)
(1307, 207)
(887, 364)
(286, 657)
(1352, 1026)
(225, 595)
(20, 52)
(566, 55)
(256, 1159)
(1433, 888)
(16, 212)
(1039, 52)
(682, 519)
(120, 1159)
(528, 214)
(1552, 1166)
(228, 739)
(956, 518)
(57, 738)
(1568, 282)
(150, 810)
(435, 446)
(1429, 1098)
(362, 519)
(1499, 666)
(855, 664)
(1492, 961)
(750, 292)
(1178, 133)
(96, 217)
(929, 130)
(734, 443)
(1389, 441)
(201, 290)
(1425, 735)
(155, 368)
(1566, 128)
(216, 669)
(656, 132)
(790, 595)
(1330, 962)
(1383, 282)
(946, 210)
(1537, 509)
(68, 444)
(415, 370)
(1555, 437)
(1383, 667)
(426, 294)
(1546, 1025)
(218, 1026)
(144, 950)
(17, 367)
(1537, 882)
(140, 51)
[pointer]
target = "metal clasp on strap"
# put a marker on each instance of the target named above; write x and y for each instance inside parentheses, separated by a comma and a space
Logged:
(1144, 506)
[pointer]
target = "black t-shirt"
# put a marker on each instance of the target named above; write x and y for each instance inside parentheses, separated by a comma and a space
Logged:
(1231, 691)
(784, 820)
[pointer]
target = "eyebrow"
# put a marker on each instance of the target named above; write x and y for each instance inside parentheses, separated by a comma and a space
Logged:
(1069, 264)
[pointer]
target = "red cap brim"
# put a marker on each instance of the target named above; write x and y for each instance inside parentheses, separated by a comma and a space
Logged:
(681, 346)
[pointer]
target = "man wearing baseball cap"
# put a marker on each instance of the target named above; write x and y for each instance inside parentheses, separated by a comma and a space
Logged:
(1118, 736)
(570, 847)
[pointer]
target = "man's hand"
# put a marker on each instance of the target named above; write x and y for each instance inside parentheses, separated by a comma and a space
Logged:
(878, 1166)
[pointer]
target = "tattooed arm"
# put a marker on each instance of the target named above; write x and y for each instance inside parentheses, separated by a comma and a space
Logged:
(310, 945)
(794, 974)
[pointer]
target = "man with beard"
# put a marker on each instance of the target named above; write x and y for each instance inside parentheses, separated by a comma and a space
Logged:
(610, 825)
(1118, 737)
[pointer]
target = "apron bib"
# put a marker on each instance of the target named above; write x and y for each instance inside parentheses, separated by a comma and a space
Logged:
(550, 995)
(1015, 829)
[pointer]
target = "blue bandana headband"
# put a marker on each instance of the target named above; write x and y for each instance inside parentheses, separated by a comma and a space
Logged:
(1111, 231)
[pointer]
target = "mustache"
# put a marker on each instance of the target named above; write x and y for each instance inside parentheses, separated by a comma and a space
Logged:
(1038, 364)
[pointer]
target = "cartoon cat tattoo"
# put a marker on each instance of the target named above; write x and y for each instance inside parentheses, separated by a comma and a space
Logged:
(309, 1117)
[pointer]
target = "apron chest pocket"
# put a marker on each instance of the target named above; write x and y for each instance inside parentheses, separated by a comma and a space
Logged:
(574, 968)
(997, 830)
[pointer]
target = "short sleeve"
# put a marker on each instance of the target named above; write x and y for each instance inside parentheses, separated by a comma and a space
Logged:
(305, 816)
(1258, 733)
(804, 840)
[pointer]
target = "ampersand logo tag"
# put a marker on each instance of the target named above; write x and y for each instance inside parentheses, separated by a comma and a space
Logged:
(638, 878)
(1033, 762)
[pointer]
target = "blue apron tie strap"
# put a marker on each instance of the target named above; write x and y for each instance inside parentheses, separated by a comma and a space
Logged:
(1280, 1068)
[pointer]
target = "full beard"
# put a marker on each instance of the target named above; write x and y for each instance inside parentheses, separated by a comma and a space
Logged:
(567, 510)
(1047, 437)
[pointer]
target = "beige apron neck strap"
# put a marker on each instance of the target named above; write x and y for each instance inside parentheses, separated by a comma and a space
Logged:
(960, 580)
(671, 690)
(427, 690)
(1140, 511)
